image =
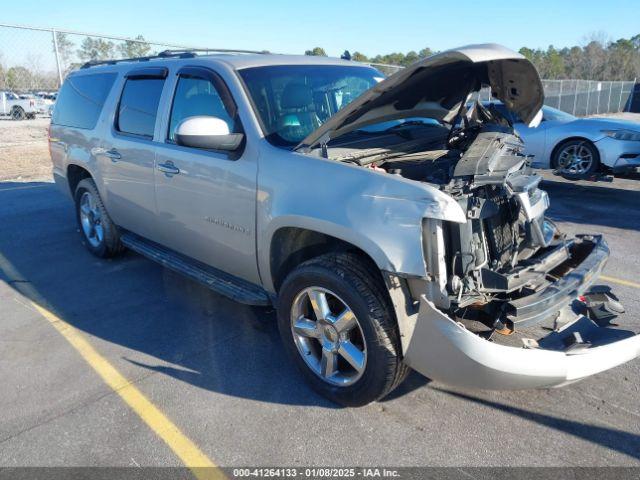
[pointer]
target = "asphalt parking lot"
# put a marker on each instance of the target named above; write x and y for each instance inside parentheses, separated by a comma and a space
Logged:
(215, 368)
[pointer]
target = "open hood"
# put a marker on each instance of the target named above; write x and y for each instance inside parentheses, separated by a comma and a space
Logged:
(437, 86)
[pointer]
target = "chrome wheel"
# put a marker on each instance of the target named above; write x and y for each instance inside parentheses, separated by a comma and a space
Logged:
(575, 159)
(328, 336)
(91, 220)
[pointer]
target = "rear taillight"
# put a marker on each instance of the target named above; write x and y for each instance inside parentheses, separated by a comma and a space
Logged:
(32, 103)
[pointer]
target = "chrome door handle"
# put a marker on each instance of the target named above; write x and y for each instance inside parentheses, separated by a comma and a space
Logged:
(168, 168)
(113, 154)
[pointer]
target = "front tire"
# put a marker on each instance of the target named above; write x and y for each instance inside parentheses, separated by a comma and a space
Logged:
(99, 233)
(338, 327)
(576, 159)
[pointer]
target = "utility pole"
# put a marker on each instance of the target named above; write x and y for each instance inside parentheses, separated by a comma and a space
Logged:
(57, 53)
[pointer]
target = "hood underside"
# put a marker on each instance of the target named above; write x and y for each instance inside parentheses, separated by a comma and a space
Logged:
(437, 86)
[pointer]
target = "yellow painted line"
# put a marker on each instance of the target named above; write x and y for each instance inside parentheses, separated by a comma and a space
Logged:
(620, 281)
(200, 465)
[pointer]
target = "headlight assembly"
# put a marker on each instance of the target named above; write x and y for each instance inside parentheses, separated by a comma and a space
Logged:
(623, 135)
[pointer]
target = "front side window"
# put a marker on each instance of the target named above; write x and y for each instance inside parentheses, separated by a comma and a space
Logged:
(294, 100)
(194, 97)
(139, 106)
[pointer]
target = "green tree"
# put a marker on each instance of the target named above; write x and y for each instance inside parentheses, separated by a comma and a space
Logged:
(554, 63)
(19, 78)
(132, 49)
(410, 58)
(359, 57)
(95, 49)
(316, 52)
(425, 52)
(3, 80)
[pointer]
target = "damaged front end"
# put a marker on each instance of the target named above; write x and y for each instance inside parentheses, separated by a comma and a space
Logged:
(500, 305)
(507, 301)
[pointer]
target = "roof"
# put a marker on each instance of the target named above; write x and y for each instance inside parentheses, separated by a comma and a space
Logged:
(235, 61)
(246, 61)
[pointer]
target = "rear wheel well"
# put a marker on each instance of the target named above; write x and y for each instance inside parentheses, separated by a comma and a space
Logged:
(75, 173)
(291, 246)
(561, 143)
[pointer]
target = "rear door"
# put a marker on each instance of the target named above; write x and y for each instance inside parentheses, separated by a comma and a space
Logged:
(206, 199)
(127, 156)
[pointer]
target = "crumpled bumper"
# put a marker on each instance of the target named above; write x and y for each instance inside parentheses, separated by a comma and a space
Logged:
(619, 154)
(444, 350)
(447, 352)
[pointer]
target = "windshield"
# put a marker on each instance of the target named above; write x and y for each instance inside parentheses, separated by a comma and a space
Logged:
(550, 113)
(293, 100)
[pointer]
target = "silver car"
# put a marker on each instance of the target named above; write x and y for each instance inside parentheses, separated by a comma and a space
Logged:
(386, 237)
(579, 147)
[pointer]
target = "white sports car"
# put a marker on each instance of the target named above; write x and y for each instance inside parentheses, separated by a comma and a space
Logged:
(579, 147)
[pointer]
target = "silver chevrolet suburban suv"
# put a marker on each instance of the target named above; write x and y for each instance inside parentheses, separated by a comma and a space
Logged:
(392, 225)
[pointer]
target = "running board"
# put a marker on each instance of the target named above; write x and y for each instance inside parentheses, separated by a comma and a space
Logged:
(223, 283)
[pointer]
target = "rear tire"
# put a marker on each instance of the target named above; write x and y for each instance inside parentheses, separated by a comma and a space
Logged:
(576, 159)
(17, 113)
(365, 358)
(100, 235)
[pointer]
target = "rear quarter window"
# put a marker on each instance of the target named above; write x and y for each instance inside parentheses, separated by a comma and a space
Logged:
(81, 100)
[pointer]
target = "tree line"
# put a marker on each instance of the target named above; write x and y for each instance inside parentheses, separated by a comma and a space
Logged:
(599, 59)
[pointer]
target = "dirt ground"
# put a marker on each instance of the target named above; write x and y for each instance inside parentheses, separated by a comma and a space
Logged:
(24, 153)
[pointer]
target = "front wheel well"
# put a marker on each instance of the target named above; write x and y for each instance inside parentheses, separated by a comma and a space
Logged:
(75, 174)
(555, 149)
(291, 246)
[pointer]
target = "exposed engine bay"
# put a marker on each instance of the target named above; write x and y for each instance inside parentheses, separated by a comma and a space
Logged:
(507, 251)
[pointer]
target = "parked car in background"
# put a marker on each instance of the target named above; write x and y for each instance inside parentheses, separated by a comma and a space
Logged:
(46, 98)
(20, 108)
(578, 147)
(418, 245)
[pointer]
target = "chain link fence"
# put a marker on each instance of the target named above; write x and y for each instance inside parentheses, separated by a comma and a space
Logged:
(34, 60)
(38, 59)
(584, 97)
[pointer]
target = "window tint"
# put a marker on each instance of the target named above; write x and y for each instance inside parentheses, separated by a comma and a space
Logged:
(294, 100)
(197, 96)
(81, 100)
(139, 106)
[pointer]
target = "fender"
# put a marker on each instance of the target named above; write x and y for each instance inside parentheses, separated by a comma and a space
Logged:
(377, 212)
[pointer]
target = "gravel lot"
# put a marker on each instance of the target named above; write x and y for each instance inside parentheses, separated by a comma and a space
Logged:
(215, 368)
(24, 153)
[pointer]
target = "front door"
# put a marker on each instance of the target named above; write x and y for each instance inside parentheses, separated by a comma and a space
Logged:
(206, 199)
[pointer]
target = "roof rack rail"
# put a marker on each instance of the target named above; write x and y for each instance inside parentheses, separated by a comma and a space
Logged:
(185, 53)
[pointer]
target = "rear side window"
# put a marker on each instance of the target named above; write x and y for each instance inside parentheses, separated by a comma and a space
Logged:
(81, 100)
(139, 106)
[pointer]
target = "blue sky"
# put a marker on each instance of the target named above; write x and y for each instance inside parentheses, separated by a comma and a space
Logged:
(370, 27)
